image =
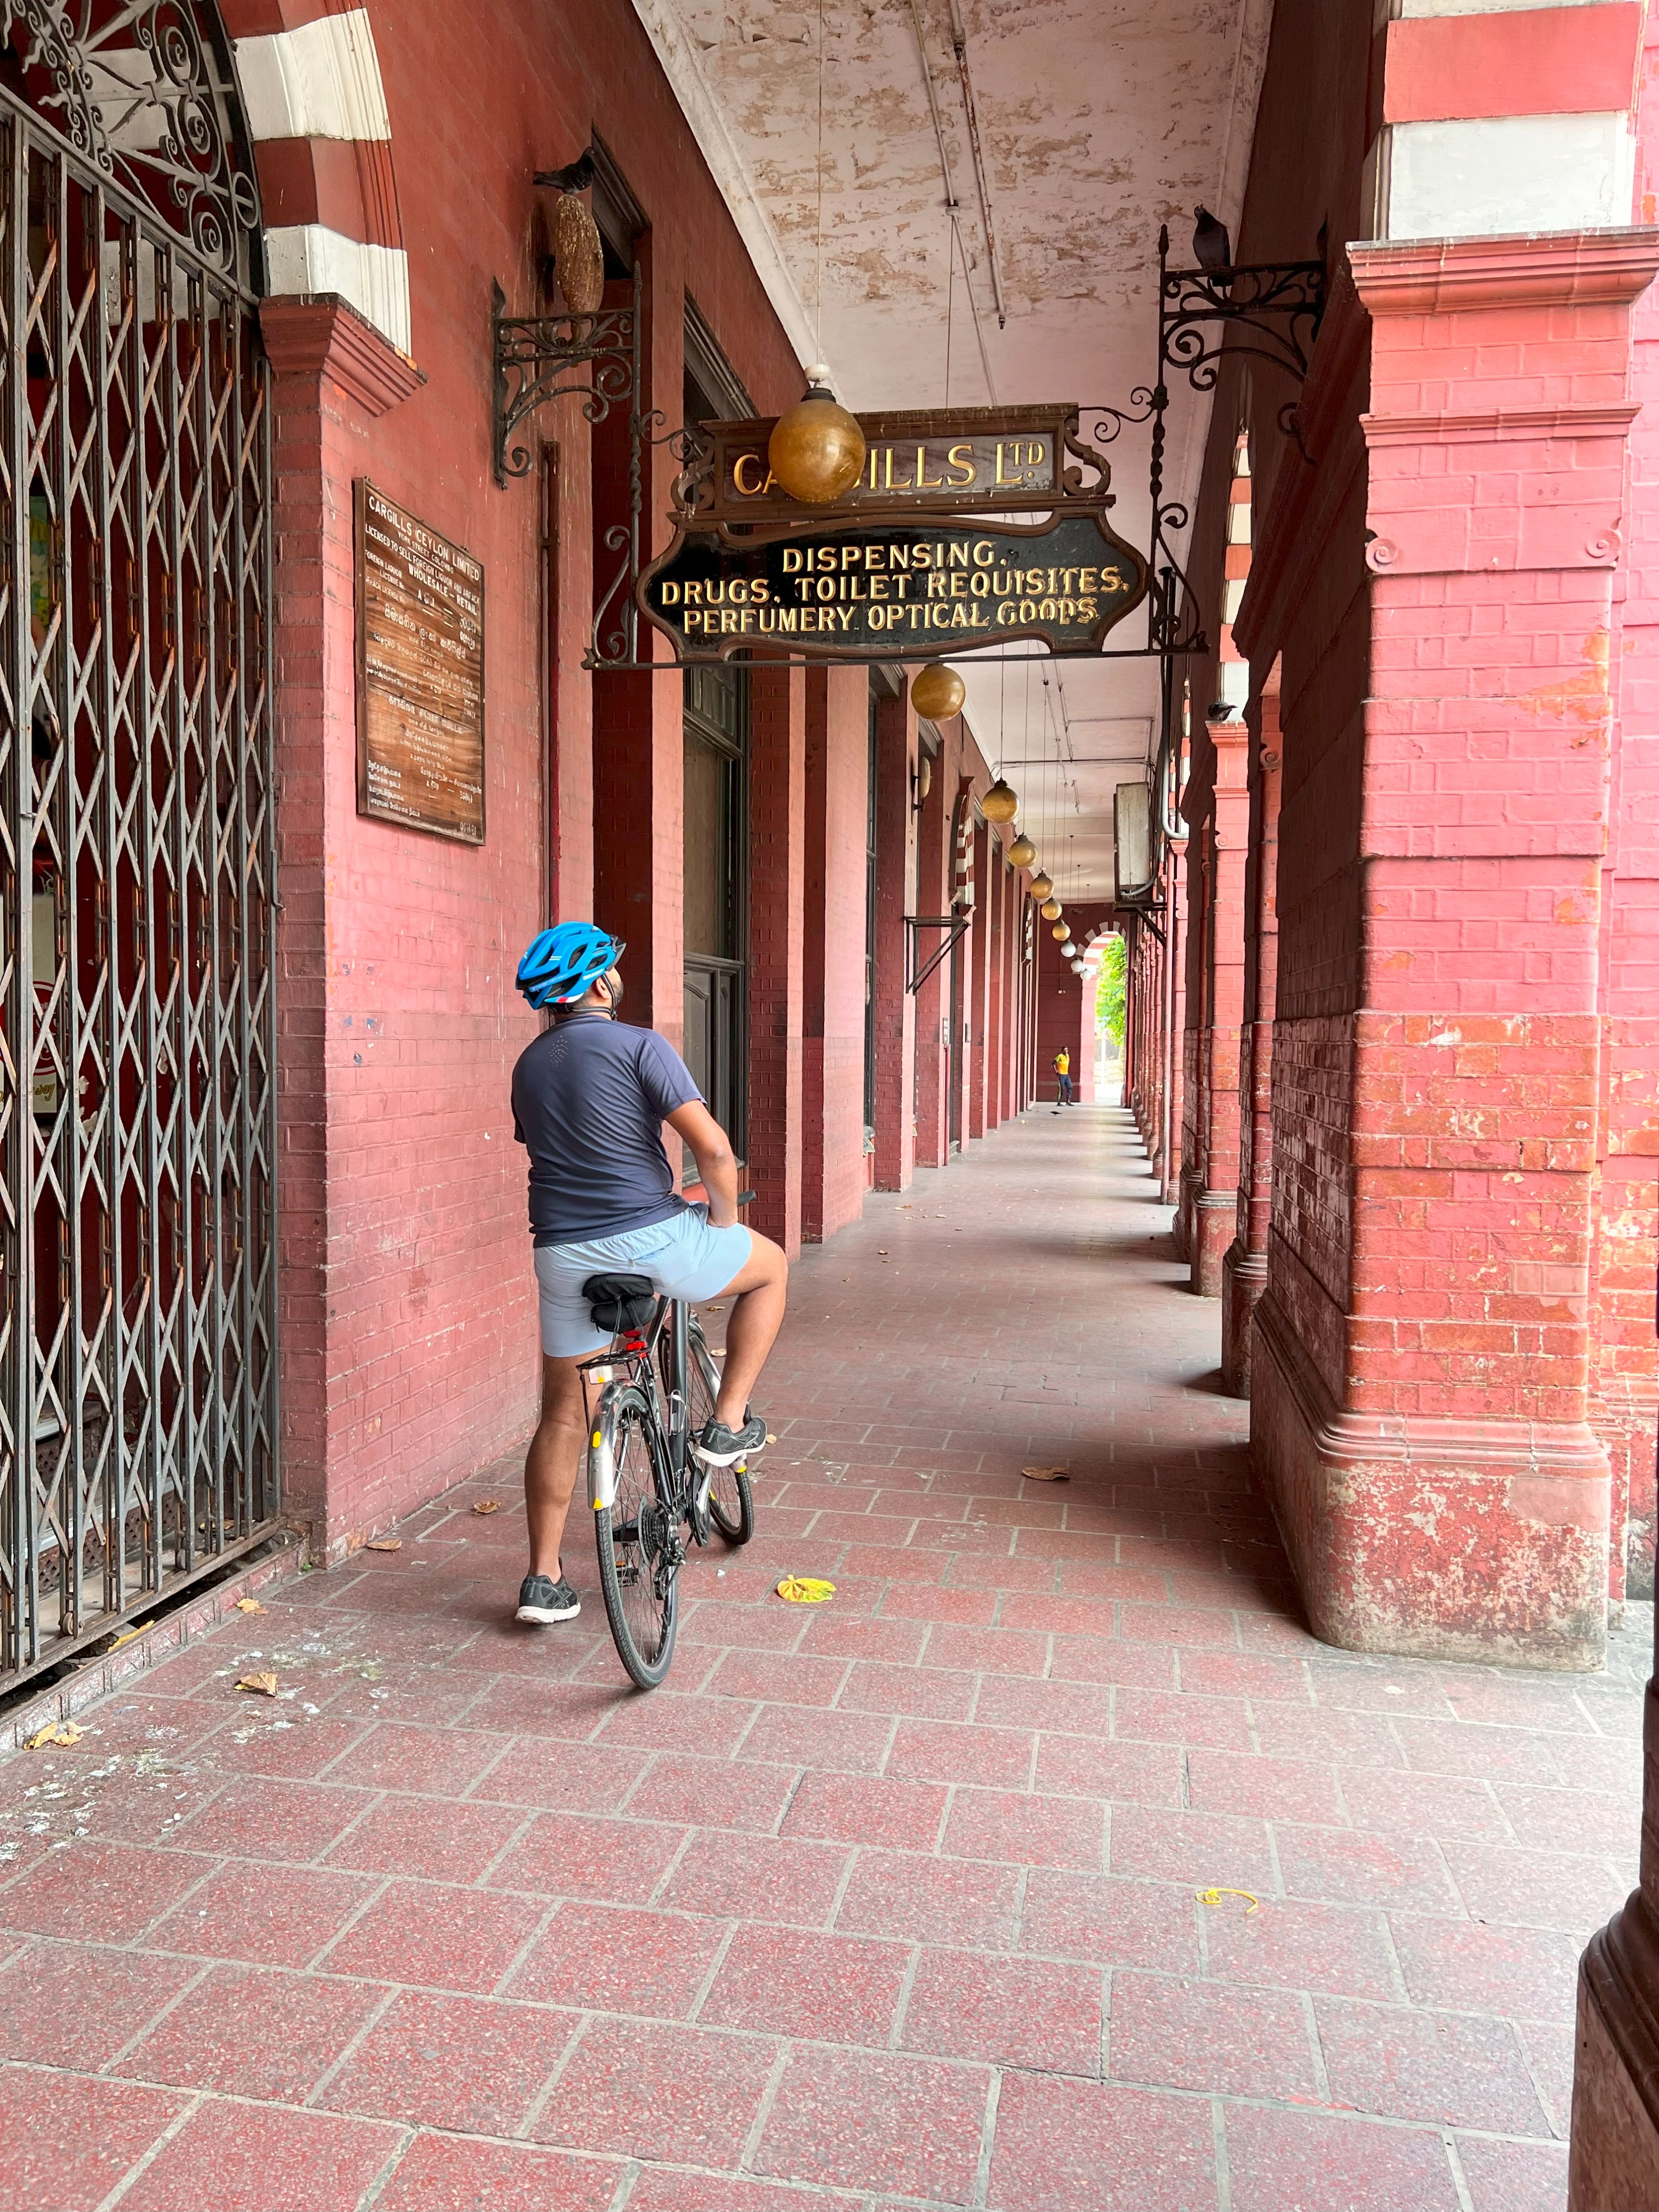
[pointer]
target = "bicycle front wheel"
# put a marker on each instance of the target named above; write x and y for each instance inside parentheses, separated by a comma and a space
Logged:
(730, 1501)
(638, 1534)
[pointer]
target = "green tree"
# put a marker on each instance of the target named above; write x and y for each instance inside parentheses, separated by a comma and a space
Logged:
(1112, 991)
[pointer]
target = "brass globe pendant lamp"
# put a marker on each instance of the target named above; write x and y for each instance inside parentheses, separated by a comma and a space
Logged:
(1052, 909)
(937, 692)
(1001, 803)
(816, 449)
(1061, 931)
(1043, 886)
(1022, 852)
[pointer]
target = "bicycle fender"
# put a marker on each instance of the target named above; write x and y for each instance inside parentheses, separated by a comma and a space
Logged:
(602, 1457)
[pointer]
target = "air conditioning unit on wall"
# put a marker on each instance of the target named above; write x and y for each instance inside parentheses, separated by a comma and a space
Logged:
(1133, 822)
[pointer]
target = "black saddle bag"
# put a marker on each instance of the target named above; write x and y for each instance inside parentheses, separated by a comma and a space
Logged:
(620, 1301)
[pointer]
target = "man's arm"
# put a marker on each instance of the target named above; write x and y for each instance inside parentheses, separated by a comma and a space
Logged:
(712, 1154)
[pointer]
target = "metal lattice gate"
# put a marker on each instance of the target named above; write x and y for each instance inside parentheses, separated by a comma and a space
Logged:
(137, 1368)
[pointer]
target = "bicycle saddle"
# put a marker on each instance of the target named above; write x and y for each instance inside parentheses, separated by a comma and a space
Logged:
(620, 1301)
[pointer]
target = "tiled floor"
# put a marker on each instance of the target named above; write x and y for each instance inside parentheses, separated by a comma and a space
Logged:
(891, 1903)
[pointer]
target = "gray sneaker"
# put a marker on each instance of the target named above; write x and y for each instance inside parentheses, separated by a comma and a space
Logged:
(543, 1600)
(718, 1446)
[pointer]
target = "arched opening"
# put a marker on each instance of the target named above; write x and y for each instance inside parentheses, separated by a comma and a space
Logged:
(138, 1433)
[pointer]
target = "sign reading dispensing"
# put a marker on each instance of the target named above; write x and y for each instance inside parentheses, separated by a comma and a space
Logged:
(885, 590)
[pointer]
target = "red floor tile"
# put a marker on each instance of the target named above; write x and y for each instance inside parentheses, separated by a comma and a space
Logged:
(758, 1878)
(253, 1818)
(667, 1720)
(1009, 2011)
(922, 1601)
(1203, 2035)
(1273, 1789)
(1540, 1889)
(1219, 1723)
(1200, 1848)
(1067, 1708)
(1421, 1805)
(1521, 1973)
(830, 1989)
(433, 1837)
(576, 1777)
(1022, 1829)
(858, 1809)
(1082, 1767)
(946, 1751)
(268, 1916)
(1088, 1655)
(253, 2158)
(714, 1792)
(911, 2126)
(794, 1736)
(659, 2189)
(298, 1749)
(437, 1762)
(109, 1889)
(1297, 2161)
(898, 1643)
(782, 1677)
(1079, 2146)
(625, 2078)
(1507, 2176)
(579, 1855)
(1292, 1946)
(439, 1937)
(1341, 1868)
(472, 2063)
(1452, 2068)
(1111, 1922)
(452, 2173)
(934, 1692)
(930, 1900)
(608, 1958)
(989, 1650)
(251, 2032)
(75, 2005)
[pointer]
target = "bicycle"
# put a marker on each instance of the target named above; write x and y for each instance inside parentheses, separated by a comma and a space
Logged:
(657, 1386)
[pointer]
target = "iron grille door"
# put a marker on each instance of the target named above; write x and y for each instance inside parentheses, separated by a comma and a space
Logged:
(137, 1295)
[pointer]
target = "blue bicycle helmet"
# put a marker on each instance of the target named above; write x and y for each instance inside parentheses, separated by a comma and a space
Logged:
(563, 963)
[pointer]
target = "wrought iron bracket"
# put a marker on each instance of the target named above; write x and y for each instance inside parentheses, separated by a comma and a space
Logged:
(958, 924)
(537, 358)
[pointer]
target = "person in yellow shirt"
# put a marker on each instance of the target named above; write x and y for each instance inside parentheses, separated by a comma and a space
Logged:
(1063, 1072)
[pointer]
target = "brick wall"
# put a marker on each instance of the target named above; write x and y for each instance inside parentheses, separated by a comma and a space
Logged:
(832, 1066)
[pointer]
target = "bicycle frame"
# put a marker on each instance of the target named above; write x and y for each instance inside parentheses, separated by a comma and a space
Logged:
(632, 1358)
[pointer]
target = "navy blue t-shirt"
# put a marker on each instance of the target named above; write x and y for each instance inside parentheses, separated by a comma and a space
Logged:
(589, 1100)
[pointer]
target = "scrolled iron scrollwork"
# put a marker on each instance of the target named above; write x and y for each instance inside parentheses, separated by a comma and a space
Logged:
(1270, 310)
(145, 91)
(543, 357)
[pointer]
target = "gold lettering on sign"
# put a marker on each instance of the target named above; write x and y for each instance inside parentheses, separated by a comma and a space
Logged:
(950, 466)
(420, 674)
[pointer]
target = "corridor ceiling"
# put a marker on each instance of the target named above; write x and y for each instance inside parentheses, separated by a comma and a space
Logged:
(1098, 120)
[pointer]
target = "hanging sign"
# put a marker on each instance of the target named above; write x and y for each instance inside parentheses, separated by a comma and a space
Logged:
(892, 590)
(420, 674)
(990, 459)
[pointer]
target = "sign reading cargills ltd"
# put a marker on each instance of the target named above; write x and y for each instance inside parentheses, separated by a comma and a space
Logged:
(886, 589)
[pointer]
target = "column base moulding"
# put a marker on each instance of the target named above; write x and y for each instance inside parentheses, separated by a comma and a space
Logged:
(1614, 2162)
(1215, 1212)
(1430, 1536)
(1243, 1280)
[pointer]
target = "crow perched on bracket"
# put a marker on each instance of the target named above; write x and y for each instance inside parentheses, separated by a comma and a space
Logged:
(1212, 248)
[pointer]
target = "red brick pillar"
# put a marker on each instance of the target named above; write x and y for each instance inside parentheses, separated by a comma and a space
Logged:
(1245, 1271)
(1215, 1196)
(997, 878)
(977, 1012)
(1421, 1362)
(1188, 1055)
(895, 885)
(934, 864)
(832, 1051)
(333, 374)
(777, 882)
(1172, 1042)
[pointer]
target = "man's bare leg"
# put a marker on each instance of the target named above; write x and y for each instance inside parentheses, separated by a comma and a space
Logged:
(553, 1463)
(761, 1291)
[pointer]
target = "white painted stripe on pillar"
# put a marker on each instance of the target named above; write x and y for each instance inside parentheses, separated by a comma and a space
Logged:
(309, 258)
(1409, 9)
(322, 80)
(1501, 176)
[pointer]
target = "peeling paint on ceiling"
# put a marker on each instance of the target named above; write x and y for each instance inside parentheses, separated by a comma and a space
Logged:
(1100, 120)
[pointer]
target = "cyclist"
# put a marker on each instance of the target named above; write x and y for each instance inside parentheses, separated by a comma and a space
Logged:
(590, 1097)
(1063, 1076)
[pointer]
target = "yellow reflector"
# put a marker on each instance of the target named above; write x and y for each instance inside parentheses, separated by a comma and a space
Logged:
(596, 1440)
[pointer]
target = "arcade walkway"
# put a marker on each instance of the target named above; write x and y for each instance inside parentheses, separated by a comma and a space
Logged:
(894, 1903)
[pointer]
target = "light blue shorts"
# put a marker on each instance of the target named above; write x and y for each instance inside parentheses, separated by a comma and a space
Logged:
(684, 1257)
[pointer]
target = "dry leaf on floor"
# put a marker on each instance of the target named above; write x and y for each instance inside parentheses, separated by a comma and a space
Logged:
(263, 1686)
(805, 1589)
(130, 1636)
(384, 1544)
(770, 1439)
(487, 1505)
(55, 1732)
(249, 1605)
(1046, 1474)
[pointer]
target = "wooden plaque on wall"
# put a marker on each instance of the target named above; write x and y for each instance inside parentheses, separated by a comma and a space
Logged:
(420, 674)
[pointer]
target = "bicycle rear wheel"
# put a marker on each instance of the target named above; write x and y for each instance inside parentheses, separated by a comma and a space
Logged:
(730, 1501)
(638, 1535)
